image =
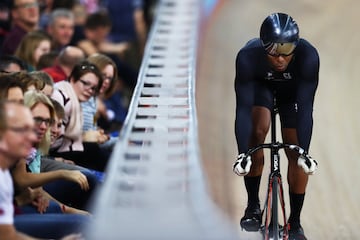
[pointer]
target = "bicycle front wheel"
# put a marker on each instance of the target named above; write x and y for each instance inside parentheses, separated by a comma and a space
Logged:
(274, 226)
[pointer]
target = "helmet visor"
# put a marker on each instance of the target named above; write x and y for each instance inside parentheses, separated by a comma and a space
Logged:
(280, 49)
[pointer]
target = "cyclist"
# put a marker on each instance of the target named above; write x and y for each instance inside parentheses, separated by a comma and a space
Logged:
(284, 66)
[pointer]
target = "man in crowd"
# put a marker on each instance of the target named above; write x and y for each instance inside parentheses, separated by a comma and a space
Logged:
(16, 140)
(25, 18)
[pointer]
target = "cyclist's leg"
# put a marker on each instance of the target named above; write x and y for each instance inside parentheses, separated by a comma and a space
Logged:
(261, 124)
(297, 179)
(251, 221)
(261, 117)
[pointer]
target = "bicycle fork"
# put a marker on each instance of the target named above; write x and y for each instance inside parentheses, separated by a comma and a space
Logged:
(275, 194)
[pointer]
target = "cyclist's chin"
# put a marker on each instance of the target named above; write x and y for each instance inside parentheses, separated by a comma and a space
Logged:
(280, 68)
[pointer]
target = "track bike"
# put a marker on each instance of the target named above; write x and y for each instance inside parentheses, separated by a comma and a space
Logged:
(272, 228)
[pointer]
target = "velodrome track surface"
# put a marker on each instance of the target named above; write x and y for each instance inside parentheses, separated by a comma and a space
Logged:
(331, 209)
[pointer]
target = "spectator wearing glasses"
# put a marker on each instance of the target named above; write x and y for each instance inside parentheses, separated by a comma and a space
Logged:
(84, 82)
(16, 140)
(25, 18)
(27, 174)
(111, 106)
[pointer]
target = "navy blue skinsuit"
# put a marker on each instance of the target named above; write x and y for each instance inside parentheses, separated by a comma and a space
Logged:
(255, 83)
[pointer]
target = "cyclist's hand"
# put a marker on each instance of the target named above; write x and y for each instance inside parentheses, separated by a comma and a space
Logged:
(242, 165)
(308, 164)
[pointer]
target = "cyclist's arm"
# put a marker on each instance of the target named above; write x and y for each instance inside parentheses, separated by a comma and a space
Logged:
(244, 89)
(305, 98)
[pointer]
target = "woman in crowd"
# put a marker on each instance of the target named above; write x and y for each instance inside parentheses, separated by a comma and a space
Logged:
(84, 82)
(26, 173)
(32, 47)
(111, 105)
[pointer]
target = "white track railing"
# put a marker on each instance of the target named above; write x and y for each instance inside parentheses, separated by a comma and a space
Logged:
(155, 187)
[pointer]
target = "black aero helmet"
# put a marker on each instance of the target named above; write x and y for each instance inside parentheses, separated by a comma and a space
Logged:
(279, 34)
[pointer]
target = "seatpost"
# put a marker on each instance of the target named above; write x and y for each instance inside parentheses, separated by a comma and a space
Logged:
(275, 163)
(274, 111)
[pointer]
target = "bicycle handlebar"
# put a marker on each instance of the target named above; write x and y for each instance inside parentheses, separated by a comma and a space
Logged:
(278, 145)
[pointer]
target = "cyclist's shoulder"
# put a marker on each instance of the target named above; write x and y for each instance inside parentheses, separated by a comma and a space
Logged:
(306, 49)
(252, 45)
(251, 51)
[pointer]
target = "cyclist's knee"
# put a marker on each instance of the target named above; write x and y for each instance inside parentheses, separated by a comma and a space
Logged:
(258, 135)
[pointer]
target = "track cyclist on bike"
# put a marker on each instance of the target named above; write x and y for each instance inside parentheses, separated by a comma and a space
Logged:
(284, 66)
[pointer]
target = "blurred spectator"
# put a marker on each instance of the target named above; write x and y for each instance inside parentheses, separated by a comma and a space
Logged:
(67, 59)
(128, 26)
(91, 6)
(9, 64)
(11, 89)
(47, 60)
(49, 6)
(95, 40)
(46, 79)
(149, 11)
(30, 82)
(33, 45)
(25, 18)
(5, 21)
(61, 28)
(96, 30)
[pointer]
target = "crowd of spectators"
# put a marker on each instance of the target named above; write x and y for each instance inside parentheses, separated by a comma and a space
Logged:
(68, 69)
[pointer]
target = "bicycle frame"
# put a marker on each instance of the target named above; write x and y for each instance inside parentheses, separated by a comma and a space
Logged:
(275, 188)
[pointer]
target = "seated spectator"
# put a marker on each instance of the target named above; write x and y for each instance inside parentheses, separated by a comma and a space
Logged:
(13, 118)
(25, 18)
(84, 82)
(11, 89)
(46, 79)
(108, 112)
(32, 46)
(10, 64)
(49, 163)
(96, 30)
(128, 26)
(95, 40)
(61, 28)
(27, 174)
(29, 81)
(47, 60)
(5, 21)
(67, 59)
(49, 6)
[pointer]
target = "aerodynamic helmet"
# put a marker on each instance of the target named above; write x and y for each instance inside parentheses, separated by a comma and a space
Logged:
(279, 34)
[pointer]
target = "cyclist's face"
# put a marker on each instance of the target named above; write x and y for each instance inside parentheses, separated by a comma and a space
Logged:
(280, 62)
